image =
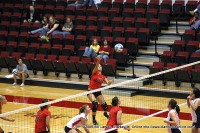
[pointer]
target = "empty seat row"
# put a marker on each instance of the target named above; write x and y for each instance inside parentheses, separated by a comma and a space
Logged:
(188, 74)
(62, 64)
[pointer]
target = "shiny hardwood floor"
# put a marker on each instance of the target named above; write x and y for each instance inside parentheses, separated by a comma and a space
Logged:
(23, 96)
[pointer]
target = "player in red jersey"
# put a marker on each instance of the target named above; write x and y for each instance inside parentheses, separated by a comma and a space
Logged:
(3, 100)
(97, 78)
(115, 116)
(42, 120)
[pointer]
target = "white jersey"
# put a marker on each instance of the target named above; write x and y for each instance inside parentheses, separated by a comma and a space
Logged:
(193, 113)
(177, 120)
(75, 122)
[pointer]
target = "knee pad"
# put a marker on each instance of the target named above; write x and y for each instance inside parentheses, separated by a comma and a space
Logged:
(104, 106)
(94, 106)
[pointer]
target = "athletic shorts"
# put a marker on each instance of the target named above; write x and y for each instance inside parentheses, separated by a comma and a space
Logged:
(175, 130)
(67, 129)
(196, 125)
(27, 76)
(113, 132)
(96, 94)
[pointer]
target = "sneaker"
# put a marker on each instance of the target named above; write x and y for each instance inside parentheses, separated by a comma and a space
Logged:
(106, 115)
(22, 85)
(95, 122)
(192, 13)
(14, 84)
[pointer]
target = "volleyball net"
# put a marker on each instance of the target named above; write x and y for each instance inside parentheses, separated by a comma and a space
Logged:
(137, 109)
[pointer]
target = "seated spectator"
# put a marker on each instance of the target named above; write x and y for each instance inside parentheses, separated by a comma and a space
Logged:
(32, 15)
(195, 21)
(67, 28)
(45, 21)
(119, 47)
(53, 27)
(104, 51)
(196, 10)
(79, 3)
(93, 50)
(21, 71)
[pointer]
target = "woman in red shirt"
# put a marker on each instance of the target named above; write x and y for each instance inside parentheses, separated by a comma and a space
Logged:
(42, 120)
(95, 83)
(115, 116)
(3, 101)
(104, 51)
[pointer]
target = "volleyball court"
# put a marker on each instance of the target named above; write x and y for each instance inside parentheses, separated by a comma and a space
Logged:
(142, 112)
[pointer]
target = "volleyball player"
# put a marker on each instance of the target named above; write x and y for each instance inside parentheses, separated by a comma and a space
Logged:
(3, 101)
(78, 121)
(96, 81)
(193, 102)
(115, 116)
(172, 119)
(42, 120)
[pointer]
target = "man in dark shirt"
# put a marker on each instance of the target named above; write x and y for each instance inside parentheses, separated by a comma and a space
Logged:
(32, 15)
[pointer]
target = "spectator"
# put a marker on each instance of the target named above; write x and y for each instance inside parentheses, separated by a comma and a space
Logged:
(32, 15)
(44, 24)
(119, 47)
(80, 3)
(196, 10)
(21, 71)
(104, 51)
(53, 27)
(195, 21)
(93, 50)
(67, 28)
(45, 21)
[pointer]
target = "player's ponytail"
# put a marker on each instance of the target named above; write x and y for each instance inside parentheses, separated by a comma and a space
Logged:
(177, 109)
(173, 104)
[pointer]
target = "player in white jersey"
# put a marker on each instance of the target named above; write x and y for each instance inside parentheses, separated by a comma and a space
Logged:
(78, 121)
(172, 119)
(193, 102)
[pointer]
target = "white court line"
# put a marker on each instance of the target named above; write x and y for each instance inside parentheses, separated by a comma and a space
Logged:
(126, 124)
(23, 127)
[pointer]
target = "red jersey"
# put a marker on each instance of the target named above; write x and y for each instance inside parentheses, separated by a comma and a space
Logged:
(40, 122)
(103, 48)
(96, 80)
(113, 117)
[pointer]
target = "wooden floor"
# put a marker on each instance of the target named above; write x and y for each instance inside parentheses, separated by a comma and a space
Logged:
(22, 96)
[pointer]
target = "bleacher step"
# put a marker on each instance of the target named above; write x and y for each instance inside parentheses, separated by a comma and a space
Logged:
(151, 50)
(145, 60)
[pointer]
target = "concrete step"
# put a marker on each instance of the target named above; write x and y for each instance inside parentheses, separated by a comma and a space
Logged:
(151, 50)
(173, 37)
(173, 31)
(161, 41)
(145, 60)
(139, 71)
(180, 23)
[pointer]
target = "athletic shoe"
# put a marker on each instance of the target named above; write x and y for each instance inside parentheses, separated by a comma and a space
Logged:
(192, 13)
(14, 84)
(22, 85)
